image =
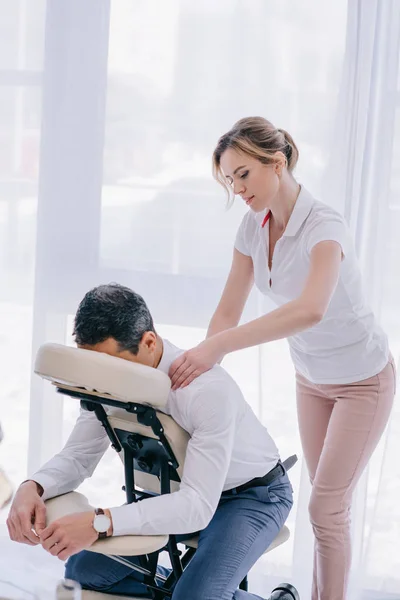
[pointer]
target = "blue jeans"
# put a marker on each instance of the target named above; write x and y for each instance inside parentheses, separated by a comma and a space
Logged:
(242, 528)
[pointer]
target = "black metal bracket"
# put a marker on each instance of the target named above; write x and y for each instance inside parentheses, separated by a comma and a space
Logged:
(102, 417)
(146, 415)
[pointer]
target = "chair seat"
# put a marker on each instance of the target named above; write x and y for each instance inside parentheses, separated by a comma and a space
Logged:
(124, 545)
(281, 538)
(92, 595)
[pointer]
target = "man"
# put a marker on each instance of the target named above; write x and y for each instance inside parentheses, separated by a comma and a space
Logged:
(238, 518)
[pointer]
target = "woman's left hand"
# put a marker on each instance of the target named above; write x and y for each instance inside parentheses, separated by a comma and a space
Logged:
(194, 362)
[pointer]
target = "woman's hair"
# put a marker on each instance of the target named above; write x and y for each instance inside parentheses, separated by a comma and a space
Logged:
(258, 138)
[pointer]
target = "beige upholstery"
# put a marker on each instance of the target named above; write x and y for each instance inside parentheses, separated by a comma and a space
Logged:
(91, 595)
(282, 537)
(129, 382)
(125, 545)
(110, 377)
(177, 437)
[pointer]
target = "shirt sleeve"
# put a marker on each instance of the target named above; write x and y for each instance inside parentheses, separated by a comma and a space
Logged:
(242, 237)
(208, 456)
(77, 460)
(332, 228)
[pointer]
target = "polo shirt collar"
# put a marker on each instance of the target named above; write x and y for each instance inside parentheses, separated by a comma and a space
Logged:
(300, 212)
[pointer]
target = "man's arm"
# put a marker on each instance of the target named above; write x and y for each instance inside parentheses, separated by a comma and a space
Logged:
(63, 473)
(206, 465)
(77, 460)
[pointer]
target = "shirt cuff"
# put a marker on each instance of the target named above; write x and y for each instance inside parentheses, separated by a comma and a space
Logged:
(125, 520)
(48, 484)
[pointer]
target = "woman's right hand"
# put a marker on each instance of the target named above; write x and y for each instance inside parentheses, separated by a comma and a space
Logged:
(194, 362)
(27, 511)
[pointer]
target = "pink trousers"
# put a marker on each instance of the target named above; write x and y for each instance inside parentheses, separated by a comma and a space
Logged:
(340, 426)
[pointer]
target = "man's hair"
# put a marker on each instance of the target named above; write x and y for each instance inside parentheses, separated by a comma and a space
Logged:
(112, 311)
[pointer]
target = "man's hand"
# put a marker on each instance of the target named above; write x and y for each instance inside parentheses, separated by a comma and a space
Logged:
(27, 512)
(69, 535)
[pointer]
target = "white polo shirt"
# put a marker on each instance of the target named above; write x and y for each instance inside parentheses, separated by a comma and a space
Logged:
(347, 345)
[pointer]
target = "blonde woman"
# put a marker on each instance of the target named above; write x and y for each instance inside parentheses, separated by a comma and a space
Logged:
(298, 251)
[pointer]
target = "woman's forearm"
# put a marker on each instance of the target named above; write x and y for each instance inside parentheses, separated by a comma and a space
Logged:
(219, 323)
(283, 322)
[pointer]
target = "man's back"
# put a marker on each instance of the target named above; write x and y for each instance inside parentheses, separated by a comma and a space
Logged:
(254, 452)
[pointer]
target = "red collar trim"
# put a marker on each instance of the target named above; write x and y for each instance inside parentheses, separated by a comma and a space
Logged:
(266, 219)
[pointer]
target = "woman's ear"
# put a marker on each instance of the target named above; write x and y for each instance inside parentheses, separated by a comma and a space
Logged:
(280, 163)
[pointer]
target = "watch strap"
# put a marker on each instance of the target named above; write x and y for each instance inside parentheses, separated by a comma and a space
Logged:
(101, 534)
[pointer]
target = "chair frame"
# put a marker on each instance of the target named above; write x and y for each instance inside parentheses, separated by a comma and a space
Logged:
(149, 455)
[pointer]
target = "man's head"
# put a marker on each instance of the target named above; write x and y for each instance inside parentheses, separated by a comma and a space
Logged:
(115, 320)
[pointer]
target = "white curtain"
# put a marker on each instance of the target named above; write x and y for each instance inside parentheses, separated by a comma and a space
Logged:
(360, 169)
(113, 108)
(362, 180)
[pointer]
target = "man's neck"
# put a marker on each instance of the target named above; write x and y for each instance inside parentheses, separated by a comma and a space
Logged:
(159, 351)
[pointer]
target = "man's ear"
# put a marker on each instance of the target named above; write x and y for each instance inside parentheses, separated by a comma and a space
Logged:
(149, 341)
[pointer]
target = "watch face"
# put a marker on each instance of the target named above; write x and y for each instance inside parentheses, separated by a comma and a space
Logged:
(101, 523)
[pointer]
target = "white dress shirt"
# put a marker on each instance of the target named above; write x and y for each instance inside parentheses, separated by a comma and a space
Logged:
(228, 447)
(347, 345)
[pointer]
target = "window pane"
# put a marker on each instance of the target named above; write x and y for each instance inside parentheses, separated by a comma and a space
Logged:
(22, 34)
(21, 47)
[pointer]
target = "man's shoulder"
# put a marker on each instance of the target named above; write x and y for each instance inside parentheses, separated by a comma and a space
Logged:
(215, 385)
(216, 378)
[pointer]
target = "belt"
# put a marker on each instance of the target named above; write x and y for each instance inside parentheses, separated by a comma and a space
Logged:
(277, 471)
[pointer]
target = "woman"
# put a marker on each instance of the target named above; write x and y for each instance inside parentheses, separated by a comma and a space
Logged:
(299, 253)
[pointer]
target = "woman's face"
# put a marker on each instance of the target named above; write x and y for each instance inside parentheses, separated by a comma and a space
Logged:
(255, 182)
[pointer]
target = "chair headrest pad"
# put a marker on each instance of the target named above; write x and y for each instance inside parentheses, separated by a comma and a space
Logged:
(104, 374)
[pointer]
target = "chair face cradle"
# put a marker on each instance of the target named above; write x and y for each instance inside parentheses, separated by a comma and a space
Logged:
(152, 447)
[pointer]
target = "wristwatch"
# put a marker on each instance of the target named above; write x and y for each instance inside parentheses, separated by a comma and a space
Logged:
(101, 523)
